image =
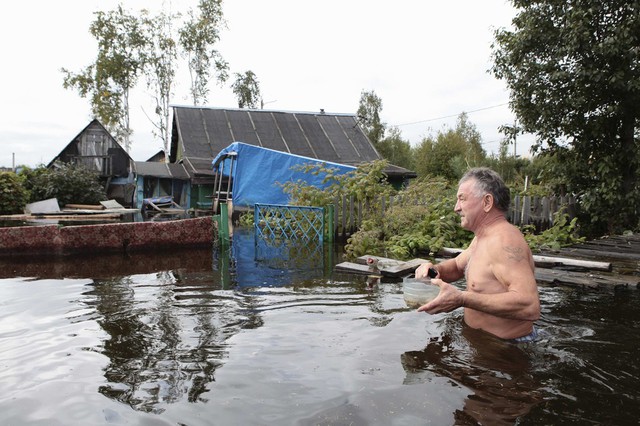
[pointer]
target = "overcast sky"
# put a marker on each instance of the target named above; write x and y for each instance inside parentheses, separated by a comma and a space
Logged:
(427, 60)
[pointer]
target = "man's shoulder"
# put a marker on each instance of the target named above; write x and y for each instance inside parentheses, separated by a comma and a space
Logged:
(504, 230)
(507, 237)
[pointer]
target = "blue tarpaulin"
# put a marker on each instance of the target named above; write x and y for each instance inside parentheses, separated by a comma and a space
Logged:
(256, 172)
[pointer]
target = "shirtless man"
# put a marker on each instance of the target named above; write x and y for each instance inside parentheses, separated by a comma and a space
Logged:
(501, 295)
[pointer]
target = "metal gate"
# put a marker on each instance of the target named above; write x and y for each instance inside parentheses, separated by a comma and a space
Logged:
(274, 221)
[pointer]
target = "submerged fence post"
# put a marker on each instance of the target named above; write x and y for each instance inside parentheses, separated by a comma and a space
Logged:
(223, 226)
(330, 226)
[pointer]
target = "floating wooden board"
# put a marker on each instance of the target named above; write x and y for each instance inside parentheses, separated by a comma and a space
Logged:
(387, 267)
(356, 268)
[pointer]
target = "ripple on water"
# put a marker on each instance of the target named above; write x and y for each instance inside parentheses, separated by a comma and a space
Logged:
(163, 347)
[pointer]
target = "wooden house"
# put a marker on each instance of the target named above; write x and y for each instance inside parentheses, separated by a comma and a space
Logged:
(157, 179)
(199, 134)
(95, 149)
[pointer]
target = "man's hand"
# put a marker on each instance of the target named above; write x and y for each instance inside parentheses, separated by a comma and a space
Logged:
(422, 271)
(449, 298)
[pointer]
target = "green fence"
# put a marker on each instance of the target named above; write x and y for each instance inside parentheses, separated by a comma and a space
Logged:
(285, 222)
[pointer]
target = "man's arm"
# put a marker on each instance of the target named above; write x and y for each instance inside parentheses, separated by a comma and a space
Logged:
(512, 265)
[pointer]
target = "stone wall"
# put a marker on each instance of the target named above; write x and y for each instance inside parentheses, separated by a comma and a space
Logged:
(53, 239)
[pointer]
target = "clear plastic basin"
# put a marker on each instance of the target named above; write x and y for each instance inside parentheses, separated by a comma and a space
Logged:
(417, 292)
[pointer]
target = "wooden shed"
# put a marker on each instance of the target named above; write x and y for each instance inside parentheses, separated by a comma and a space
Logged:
(95, 149)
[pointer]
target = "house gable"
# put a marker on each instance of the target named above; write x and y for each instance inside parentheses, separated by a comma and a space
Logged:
(95, 149)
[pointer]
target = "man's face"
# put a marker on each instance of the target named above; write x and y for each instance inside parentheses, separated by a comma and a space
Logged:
(468, 205)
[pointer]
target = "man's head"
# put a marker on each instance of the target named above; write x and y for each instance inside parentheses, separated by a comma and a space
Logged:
(480, 191)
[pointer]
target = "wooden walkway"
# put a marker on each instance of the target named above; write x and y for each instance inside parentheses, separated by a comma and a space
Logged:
(622, 251)
(610, 262)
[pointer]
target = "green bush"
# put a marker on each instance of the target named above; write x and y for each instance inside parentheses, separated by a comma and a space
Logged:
(408, 229)
(13, 195)
(68, 183)
(563, 233)
(421, 220)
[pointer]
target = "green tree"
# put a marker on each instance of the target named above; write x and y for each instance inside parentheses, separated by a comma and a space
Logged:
(159, 59)
(108, 81)
(13, 195)
(451, 152)
(198, 37)
(514, 170)
(396, 150)
(247, 89)
(369, 109)
(573, 71)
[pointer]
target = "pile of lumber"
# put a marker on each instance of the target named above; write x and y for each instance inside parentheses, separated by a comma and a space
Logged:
(551, 270)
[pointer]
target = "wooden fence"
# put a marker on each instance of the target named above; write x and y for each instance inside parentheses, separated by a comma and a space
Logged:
(527, 210)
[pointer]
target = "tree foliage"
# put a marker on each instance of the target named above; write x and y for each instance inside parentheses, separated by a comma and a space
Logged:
(451, 152)
(247, 90)
(108, 81)
(573, 71)
(159, 59)
(131, 45)
(198, 38)
(396, 150)
(364, 184)
(369, 109)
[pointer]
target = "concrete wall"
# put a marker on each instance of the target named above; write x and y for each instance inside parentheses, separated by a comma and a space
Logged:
(52, 239)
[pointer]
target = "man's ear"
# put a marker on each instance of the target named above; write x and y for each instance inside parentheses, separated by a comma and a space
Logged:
(487, 202)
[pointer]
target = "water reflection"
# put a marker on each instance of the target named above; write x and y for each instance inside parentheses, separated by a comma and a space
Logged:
(168, 331)
(166, 337)
(499, 375)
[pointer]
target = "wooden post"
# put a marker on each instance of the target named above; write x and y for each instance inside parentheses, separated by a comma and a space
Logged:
(526, 210)
(344, 215)
(515, 216)
(546, 216)
(336, 206)
(351, 218)
(330, 223)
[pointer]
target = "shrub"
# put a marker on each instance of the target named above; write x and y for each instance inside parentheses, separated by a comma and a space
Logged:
(563, 233)
(13, 195)
(68, 183)
(423, 224)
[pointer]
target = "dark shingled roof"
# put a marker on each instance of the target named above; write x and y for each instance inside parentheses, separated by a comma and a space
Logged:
(199, 134)
(160, 170)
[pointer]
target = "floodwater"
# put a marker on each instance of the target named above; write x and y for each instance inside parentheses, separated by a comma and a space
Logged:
(264, 336)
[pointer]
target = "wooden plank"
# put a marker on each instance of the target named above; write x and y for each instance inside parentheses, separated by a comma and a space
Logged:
(547, 261)
(84, 206)
(598, 254)
(555, 261)
(392, 267)
(405, 268)
(353, 267)
(585, 279)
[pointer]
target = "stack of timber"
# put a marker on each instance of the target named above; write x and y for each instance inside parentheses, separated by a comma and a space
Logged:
(49, 210)
(611, 262)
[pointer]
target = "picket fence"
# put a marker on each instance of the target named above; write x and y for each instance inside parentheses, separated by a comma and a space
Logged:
(524, 210)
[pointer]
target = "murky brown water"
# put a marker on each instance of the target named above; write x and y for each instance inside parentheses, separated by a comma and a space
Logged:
(253, 338)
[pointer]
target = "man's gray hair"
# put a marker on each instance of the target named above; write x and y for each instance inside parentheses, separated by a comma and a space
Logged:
(490, 182)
